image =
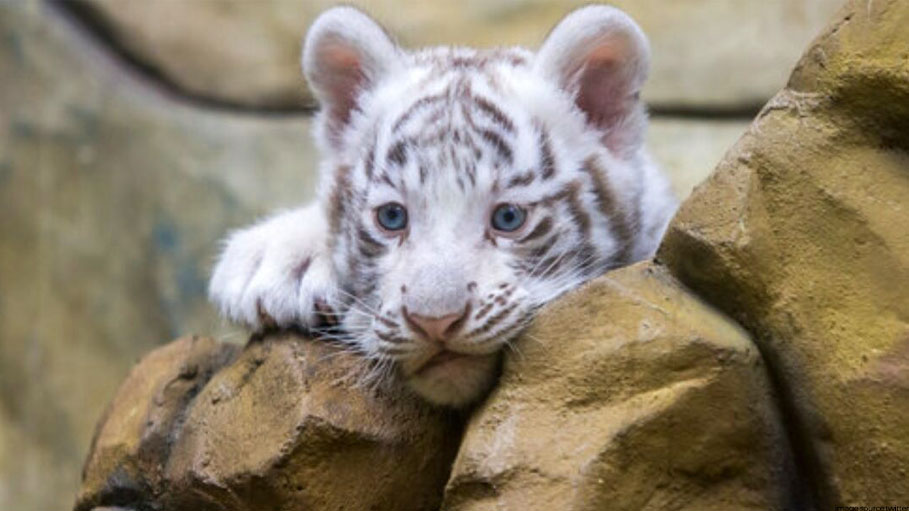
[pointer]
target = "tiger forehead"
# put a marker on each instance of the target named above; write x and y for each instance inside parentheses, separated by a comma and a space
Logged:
(453, 79)
(455, 126)
(453, 97)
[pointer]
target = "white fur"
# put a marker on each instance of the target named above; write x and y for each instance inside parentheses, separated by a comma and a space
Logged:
(257, 271)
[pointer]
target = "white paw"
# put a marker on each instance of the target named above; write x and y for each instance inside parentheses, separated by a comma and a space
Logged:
(277, 272)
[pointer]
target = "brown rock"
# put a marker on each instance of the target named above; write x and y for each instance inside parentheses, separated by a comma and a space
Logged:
(628, 394)
(290, 424)
(134, 436)
(707, 54)
(296, 424)
(802, 235)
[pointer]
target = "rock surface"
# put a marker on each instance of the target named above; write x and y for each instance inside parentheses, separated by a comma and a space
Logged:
(801, 234)
(628, 394)
(707, 53)
(289, 423)
(135, 435)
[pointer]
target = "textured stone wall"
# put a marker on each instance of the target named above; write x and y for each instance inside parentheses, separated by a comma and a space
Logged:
(134, 135)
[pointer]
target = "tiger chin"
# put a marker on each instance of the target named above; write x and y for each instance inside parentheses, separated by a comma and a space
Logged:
(460, 191)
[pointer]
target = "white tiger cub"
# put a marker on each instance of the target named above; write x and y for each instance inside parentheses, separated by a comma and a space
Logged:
(461, 190)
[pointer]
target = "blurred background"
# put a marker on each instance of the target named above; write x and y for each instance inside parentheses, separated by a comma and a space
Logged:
(135, 133)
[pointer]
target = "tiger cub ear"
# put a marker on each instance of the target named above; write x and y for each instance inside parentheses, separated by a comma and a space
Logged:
(600, 56)
(345, 53)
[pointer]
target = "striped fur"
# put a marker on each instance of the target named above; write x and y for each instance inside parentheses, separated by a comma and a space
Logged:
(450, 134)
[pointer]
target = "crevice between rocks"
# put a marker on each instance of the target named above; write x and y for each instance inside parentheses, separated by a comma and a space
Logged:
(105, 34)
(811, 490)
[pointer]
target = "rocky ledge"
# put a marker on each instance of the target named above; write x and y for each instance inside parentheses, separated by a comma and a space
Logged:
(286, 423)
(762, 362)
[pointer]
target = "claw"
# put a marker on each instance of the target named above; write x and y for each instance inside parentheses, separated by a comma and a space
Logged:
(265, 318)
(326, 313)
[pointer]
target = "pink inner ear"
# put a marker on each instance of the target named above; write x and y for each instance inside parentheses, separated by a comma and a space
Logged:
(602, 89)
(345, 76)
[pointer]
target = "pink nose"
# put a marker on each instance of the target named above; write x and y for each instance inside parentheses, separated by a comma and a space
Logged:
(436, 328)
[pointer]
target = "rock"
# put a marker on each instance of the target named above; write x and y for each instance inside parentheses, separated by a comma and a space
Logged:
(627, 394)
(135, 435)
(296, 424)
(705, 54)
(801, 234)
(290, 423)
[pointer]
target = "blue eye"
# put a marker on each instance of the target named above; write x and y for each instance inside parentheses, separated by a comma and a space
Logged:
(508, 218)
(392, 216)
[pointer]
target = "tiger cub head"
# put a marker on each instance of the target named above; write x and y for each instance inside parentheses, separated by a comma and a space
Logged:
(466, 188)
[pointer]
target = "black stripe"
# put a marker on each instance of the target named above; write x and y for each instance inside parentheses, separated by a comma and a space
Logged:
(483, 311)
(547, 159)
(493, 320)
(608, 204)
(587, 259)
(542, 229)
(369, 246)
(521, 179)
(576, 208)
(492, 111)
(392, 339)
(472, 145)
(370, 161)
(300, 269)
(387, 322)
(471, 170)
(339, 199)
(543, 248)
(416, 106)
(397, 153)
(490, 136)
(492, 239)
(498, 143)
(506, 333)
(571, 195)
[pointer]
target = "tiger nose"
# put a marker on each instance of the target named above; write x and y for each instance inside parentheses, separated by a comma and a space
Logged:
(439, 328)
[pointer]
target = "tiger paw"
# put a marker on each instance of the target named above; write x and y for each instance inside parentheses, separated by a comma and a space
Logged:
(277, 273)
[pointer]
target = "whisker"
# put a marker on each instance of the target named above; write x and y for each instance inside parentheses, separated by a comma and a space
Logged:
(532, 338)
(344, 339)
(514, 349)
(358, 301)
